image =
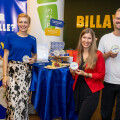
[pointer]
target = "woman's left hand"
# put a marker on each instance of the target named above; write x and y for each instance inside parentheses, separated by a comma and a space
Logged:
(80, 72)
(31, 60)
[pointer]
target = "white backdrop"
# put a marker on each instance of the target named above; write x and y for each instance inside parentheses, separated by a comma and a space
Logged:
(36, 28)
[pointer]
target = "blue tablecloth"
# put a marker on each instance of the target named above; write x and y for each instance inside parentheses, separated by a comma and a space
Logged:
(52, 93)
(35, 73)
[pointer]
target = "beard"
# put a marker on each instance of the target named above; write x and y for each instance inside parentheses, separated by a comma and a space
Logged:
(116, 26)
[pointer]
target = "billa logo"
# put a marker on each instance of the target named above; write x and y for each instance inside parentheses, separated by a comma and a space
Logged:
(94, 21)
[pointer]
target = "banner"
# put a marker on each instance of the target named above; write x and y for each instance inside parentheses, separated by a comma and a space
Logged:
(41, 12)
(9, 10)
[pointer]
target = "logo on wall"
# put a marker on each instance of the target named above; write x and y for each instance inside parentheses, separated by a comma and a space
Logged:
(1, 45)
(1, 48)
(94, 21)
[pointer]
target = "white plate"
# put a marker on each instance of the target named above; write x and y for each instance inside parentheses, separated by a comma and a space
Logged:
(56, 53)
(115, 48)
(74, 65)
(25, 59)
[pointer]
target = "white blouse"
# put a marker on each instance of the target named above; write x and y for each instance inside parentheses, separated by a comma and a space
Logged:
(1, 69)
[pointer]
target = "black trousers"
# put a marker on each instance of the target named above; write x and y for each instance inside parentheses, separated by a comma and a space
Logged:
(89, 106)
(109, 94)
(86, 102)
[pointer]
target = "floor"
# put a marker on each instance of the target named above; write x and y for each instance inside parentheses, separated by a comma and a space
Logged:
(34, 117)
(96, 115)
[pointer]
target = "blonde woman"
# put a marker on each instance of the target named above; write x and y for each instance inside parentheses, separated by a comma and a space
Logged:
(16, 72)
(89, 75)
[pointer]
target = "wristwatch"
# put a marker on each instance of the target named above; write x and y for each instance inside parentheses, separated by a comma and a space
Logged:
(87, 76)
(5, 75)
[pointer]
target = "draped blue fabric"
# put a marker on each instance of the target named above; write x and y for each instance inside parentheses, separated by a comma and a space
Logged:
(35, 72)
(54, 95)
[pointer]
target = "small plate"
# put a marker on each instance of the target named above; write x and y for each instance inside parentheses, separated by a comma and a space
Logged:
(115, 48)
(56, 53)
(26, 59)
(74, 65)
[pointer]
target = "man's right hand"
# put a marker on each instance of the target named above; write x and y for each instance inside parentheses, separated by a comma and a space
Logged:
(109, 54)
(113, 55)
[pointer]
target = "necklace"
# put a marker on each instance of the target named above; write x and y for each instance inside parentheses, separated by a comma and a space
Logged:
(84, 59)
(85, 56)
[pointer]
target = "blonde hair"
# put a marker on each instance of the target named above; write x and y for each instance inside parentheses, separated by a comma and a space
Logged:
(24, 15)
(92, 58)
(117, 10)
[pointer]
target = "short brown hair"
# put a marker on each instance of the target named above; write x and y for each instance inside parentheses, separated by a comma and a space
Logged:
(24, 15)
(117, 10)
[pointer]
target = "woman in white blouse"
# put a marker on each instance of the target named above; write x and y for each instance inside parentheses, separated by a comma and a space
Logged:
(1, 67)
(2, 89)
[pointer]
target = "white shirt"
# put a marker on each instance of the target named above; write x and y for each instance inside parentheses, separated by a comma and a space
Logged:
(1, 69)
(112, 70)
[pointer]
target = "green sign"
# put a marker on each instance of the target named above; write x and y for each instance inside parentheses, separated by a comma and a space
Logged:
(46, 12)
(45, 1)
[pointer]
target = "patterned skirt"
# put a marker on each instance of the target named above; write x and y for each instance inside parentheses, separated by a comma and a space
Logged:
(17, 93)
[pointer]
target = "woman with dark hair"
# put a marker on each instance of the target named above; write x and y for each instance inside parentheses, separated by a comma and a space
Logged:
(19, 53)
(89, 75)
